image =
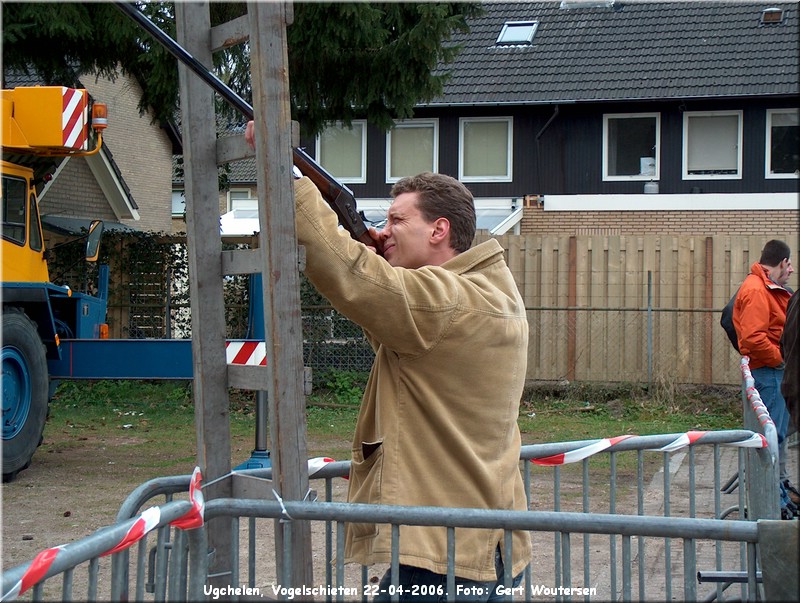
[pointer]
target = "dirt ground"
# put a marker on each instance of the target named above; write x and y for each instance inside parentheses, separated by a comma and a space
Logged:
(76, 485)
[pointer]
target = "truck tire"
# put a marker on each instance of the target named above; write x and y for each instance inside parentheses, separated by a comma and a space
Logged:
(25, 391)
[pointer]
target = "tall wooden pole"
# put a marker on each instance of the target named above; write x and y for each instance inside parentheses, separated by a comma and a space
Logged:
(281, 279)
(210, 385)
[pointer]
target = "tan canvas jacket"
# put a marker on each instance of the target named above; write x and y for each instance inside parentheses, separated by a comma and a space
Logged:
(438, 421)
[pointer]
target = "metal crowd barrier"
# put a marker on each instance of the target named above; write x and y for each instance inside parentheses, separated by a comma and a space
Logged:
(623, 520)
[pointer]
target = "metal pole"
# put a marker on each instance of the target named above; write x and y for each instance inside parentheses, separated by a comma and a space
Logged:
(259, 457)
(168, 309)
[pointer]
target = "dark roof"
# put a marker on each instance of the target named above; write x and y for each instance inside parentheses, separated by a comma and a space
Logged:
(626, 51)
(16, 79)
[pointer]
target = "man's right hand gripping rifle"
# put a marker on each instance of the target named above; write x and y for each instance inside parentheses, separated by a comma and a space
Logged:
(338, 196)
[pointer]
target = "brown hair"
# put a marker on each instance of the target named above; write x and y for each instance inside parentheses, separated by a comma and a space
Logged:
(774, 253)
(442, 196)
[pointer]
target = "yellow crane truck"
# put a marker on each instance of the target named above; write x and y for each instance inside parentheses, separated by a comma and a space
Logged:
(40, 121)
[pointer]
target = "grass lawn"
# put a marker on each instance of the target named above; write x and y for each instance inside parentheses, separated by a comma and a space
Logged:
(161, 414)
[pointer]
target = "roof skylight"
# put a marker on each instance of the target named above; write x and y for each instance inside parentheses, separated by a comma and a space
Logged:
(567, 4)
(771, 15)
(517, 33)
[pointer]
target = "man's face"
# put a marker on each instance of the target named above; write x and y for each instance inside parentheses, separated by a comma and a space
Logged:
(406, 236)
(783, 272)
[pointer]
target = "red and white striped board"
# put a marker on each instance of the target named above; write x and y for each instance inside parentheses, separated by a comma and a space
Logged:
(74, 118)
(253, 353)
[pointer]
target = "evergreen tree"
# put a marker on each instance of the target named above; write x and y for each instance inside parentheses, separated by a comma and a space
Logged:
(346, 60)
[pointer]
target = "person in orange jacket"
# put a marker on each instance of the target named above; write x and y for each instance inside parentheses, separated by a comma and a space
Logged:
(759, 314)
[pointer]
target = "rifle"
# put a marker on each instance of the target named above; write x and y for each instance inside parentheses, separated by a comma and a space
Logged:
(337, 195)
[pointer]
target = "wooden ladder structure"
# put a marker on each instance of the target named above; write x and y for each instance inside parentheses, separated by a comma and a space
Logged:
(276, 257)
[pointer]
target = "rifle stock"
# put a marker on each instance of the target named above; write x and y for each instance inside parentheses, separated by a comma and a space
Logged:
(338, 196)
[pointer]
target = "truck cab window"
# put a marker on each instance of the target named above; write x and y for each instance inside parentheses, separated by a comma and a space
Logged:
(14, 205)
(36, 227)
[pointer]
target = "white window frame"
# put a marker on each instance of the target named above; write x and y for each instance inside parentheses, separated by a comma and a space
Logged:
(250, 197)
(510, 34)
(768, 146)
(360, 178)
(178, 203)
(508, 176)
(685, 152)
(656, 153)
(412, 123)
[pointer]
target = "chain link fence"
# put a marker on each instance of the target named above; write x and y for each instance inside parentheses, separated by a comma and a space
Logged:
(653, 346)
(332, 342)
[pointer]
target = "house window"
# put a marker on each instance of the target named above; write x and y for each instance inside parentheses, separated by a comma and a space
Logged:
(485, 149)
(783, 144)
(712, 145)
(178, 203)
(631, 144)
(342, 151)
(241, 198)
(412, 147)
(517, 33)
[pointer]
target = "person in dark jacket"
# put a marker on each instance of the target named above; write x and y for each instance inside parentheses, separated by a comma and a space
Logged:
(790, 386)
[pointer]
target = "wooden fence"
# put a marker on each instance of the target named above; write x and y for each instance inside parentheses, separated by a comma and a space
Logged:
(631, 308)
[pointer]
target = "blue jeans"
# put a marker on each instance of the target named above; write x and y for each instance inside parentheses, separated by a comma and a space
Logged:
(418, 585)
(768, 383)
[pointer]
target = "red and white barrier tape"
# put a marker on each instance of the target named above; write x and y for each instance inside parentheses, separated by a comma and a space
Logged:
(39, 566)
(317, 463)
(759, 409)
(690, 437)
(573, 456)
(683, 440)
(756, 440)
(194, 518)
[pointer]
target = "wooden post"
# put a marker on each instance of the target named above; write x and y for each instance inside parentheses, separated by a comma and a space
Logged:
(572, 299)
(281, 279)
(708, 301)
(210, 383)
